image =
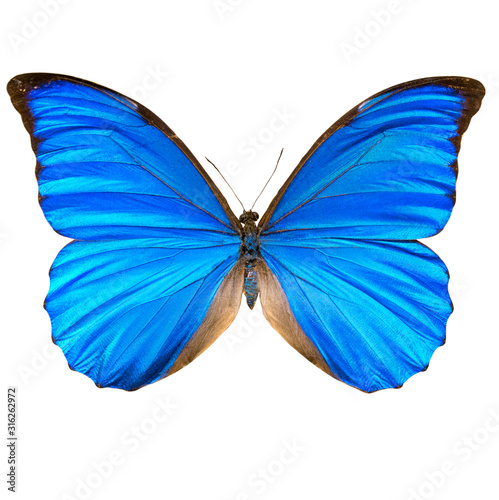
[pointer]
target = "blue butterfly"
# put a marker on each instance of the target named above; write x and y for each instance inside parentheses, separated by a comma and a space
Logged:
(159, 261)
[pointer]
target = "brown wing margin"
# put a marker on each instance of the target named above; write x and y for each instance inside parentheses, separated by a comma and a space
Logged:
(465, 86)
(275, 307)
(19, 85)
(219, 317)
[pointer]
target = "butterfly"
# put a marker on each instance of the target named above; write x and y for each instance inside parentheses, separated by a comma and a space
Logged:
(159, 262)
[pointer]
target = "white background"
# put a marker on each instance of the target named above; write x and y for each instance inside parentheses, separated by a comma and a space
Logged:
(220, 76)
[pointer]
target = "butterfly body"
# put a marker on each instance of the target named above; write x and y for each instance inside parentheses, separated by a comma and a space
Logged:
(250, 253)
(159, 261)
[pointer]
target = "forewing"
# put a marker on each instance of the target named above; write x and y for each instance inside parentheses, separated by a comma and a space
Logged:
(108, 167)
(386, 170)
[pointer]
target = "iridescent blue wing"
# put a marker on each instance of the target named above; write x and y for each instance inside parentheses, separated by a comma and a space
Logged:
(109, 168)
(356, 295)
(386, 170)
(374, 310)
(130, 312)
(146, 287)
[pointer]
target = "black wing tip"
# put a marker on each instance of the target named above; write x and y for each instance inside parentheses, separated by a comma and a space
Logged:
(18, 87)
(26, 81)
(461, 83)
(472, 90)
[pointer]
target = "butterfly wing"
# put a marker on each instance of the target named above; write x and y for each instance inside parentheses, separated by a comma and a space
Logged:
(153, 278)
(374, 310)
(359, 297)
(386, 170)
(109, 168)
(129, 312)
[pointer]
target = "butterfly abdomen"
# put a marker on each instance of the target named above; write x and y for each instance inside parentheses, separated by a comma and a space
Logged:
(250, 253)
(250, 284)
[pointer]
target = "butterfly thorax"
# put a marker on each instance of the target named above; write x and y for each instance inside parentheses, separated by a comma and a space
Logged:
(250, 253)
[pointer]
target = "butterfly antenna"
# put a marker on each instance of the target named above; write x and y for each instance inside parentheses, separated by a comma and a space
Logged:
(269, 179)
(226, 183)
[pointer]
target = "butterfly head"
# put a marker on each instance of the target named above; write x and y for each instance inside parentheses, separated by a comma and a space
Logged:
(249, 218)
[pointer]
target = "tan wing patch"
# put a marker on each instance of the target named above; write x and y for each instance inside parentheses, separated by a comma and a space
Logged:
(219, 317)
(276, 309)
